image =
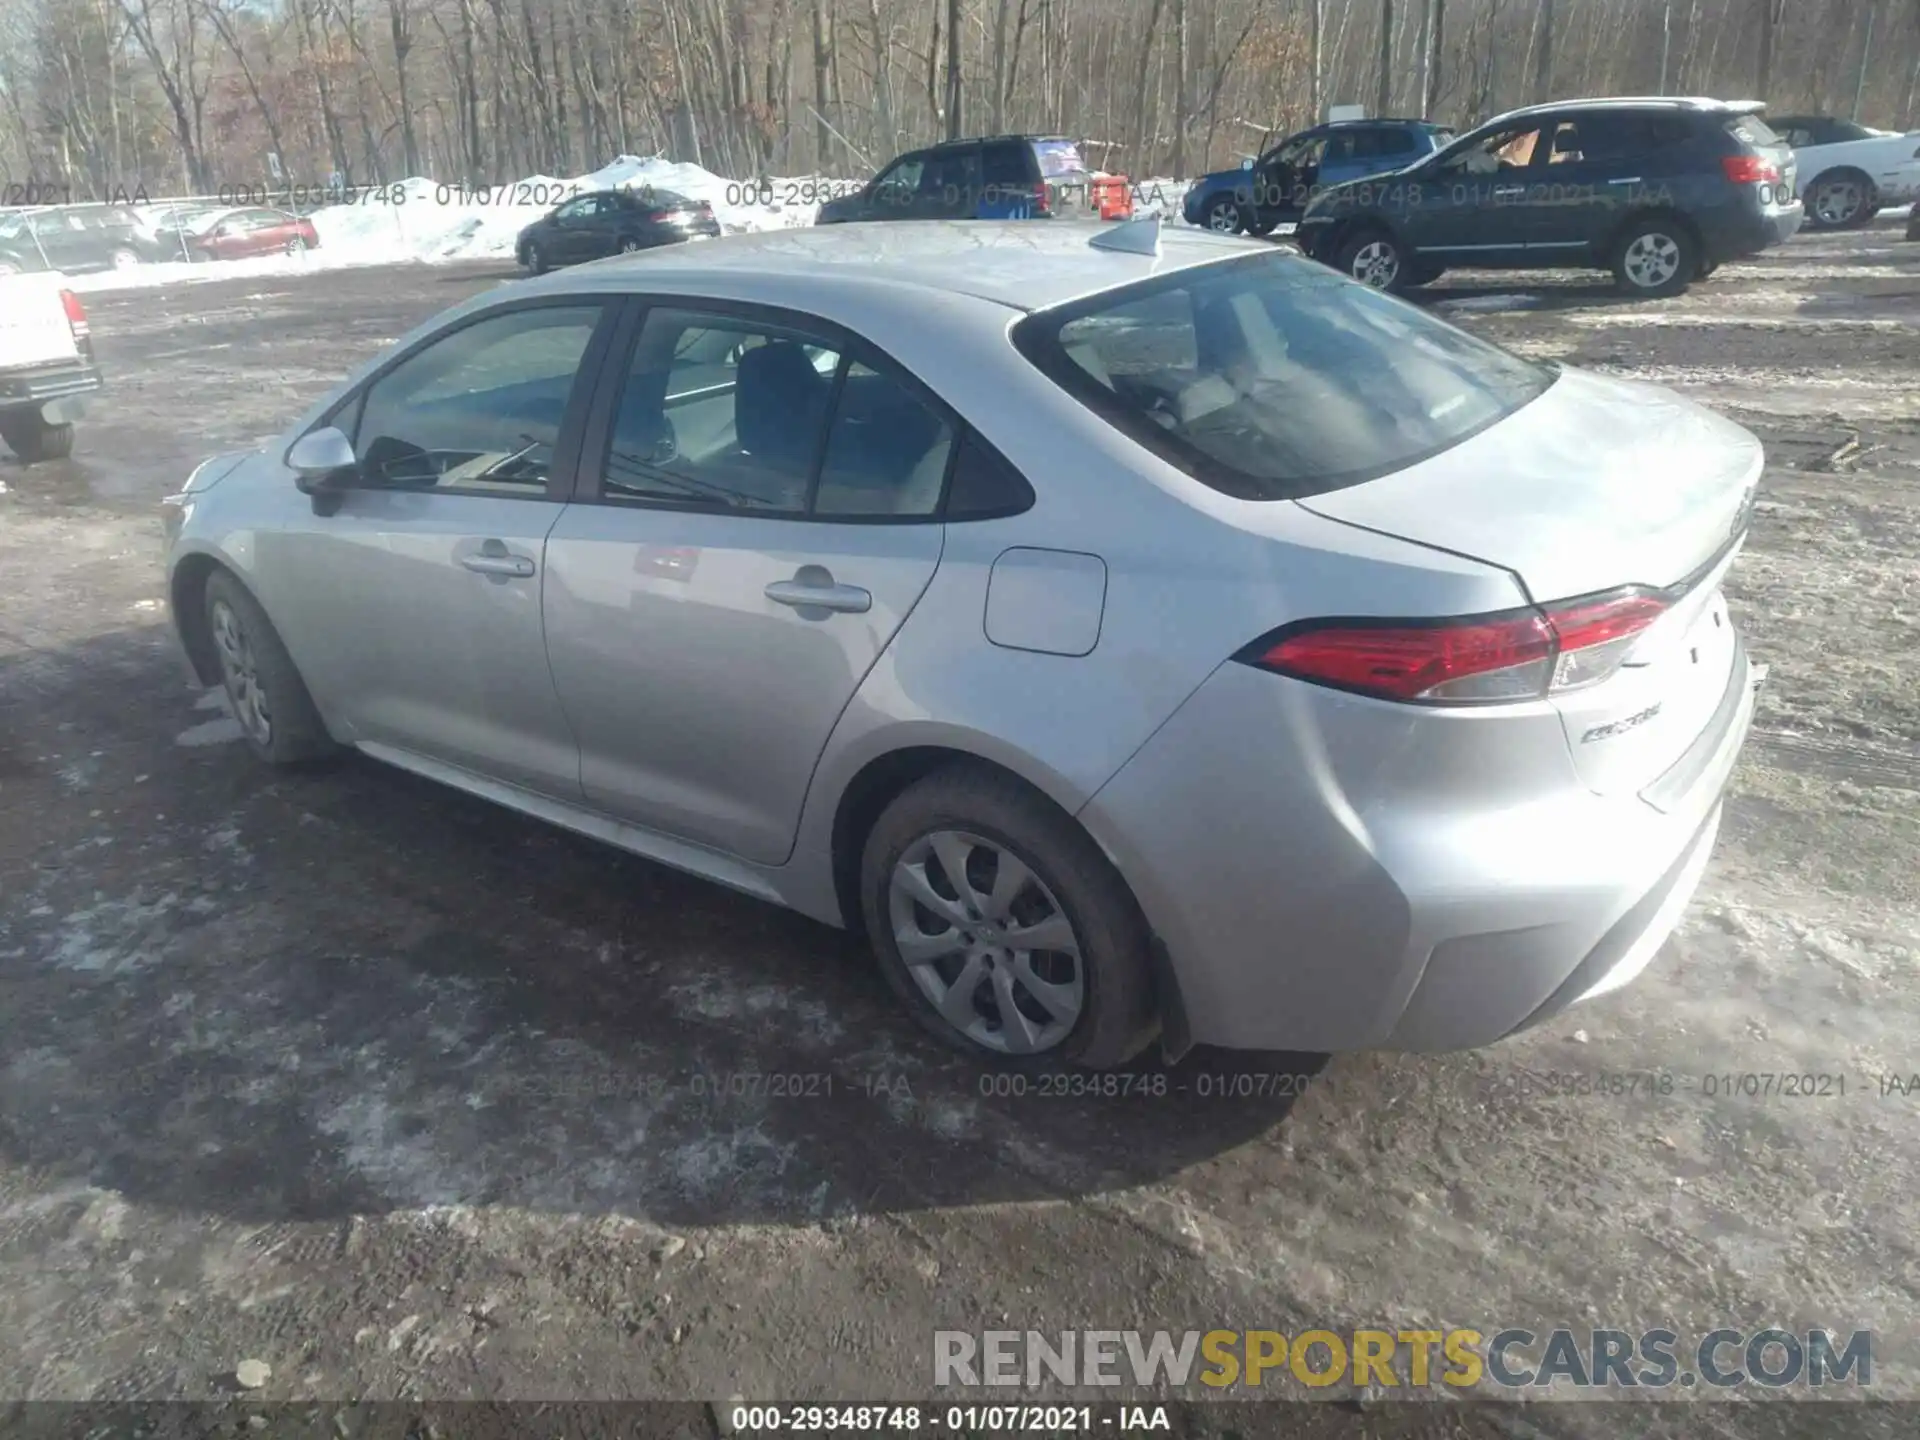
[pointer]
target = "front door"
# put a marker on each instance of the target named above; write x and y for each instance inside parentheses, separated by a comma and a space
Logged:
(414, 609)
(1473, 208)
(721, 591)
(950, 187)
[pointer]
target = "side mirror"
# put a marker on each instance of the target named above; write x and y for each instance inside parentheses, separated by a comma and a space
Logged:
(316, 459)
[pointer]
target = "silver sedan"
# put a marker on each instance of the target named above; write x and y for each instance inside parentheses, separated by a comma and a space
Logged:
(1132, 634)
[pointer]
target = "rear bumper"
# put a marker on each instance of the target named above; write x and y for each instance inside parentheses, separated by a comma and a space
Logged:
(59, 392)
(1755, 229)
(1345, 891)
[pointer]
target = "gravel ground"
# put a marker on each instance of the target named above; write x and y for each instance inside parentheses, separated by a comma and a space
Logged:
(408, 1096)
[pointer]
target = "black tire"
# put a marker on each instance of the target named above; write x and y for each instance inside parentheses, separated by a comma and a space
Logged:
(34, 440)
(1218, 211)
(292, 732)
(1655, 257)
(1373, 257)
(534, 262)
(1841, 199)
(1115, 1019)
(1707, 267)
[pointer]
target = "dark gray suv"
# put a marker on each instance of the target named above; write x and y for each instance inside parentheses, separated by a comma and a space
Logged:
(1659, 191)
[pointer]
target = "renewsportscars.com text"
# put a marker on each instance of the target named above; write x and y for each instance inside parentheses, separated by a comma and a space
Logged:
(1508, 1358)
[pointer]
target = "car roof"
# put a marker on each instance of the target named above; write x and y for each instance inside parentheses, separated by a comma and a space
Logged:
(1022, 265)
(1698, 104)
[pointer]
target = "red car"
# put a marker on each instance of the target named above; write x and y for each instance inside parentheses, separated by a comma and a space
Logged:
(239, 233)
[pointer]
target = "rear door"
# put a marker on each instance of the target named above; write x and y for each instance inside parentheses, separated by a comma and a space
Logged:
(414, 608)
(760, 514)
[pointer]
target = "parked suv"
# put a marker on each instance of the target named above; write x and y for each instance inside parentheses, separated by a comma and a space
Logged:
(1659, 191)
(1000, 177)
(1276, 187)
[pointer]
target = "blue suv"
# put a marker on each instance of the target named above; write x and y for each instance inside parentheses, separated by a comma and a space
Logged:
(1277, 187)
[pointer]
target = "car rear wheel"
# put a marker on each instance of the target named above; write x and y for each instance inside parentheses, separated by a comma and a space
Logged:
(630, 246)
(1655, 258)
(1373, 257)
(296, 247)
(124, 258)
(1840, 200)
(533, 260)
(34, 440)
(1223, 216)
(1001, 926)
(267, 696)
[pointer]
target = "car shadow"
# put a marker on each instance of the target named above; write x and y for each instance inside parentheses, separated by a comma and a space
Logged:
(277, 995)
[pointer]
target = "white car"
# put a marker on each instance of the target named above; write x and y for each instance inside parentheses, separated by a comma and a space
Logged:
(46, 365)
(1848, 171)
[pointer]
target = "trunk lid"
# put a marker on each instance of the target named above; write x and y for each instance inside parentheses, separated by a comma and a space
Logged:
(1599, 483)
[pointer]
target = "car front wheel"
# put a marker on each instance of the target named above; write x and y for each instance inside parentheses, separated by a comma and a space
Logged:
(1002, 926)
(1223, 216)
(1374, 258)
(265, 692)
(533, 260)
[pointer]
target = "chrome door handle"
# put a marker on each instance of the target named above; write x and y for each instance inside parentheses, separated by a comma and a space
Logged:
(802, 595)
(484, 564)
(1503, 190)
(1626, 180)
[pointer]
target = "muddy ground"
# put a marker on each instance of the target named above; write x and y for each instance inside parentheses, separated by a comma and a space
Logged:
(405, 1095)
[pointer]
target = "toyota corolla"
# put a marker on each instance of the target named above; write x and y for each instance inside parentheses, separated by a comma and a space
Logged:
(1131, 634)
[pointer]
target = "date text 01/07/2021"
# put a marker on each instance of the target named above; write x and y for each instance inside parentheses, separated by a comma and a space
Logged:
(963, 1419)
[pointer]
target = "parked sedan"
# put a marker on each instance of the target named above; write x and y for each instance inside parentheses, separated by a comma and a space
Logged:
(613, 222)
(1849, 171)
(246, 233)
(239, 234)
(1127, 632)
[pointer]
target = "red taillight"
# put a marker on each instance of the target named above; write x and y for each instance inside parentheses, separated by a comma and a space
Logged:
(1480, 659)
(76, 314)
(1749, 169)
(1042, 202)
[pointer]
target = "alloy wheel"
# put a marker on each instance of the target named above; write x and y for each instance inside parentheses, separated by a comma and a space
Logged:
(1376, 263)
(242, 677)
(1651, 260)
(987, 942)
(296, 246)
(1837, 202)
(1224, 217)
(629, 246)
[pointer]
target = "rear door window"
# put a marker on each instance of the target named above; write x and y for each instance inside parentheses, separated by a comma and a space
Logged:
(1270, 378)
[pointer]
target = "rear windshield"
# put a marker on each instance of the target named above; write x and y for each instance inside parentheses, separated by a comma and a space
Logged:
(1272, 378)
(1752, 129)
(1058, 157)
